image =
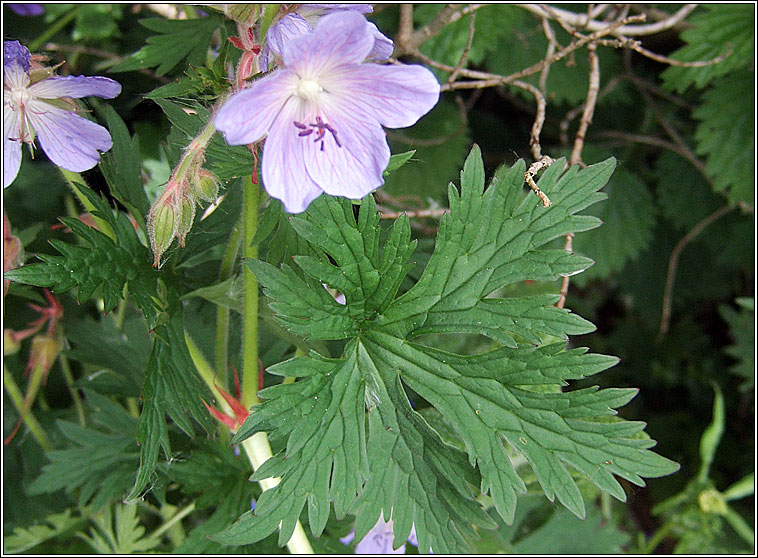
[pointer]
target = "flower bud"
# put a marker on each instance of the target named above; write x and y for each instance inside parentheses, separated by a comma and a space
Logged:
(205, 186)
(162, 224)
(11, 345)
(45, 349)
(186, 218)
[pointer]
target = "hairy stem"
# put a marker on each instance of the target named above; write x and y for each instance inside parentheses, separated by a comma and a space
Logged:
(28, 417)
(222, 312)
(53, 29)
(258, 451)
(250, 308)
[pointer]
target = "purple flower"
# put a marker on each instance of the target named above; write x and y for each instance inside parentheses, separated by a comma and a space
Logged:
(44, 108)
(322, 113)
(379, 539)
(27, 9)
(303, 21)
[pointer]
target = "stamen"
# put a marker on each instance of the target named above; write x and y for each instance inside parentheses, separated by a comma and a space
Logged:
(320, 127)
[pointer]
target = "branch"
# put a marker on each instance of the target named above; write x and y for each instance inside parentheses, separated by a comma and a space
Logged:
(674, 261)
(580, 20)
(589, 105)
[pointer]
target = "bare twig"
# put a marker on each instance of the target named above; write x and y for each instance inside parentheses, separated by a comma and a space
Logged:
(626, 42)
(533, 169)
(447, 15)
(485, 79)
(589, 105)
(464, 55)
(576, 111)
(539, 119)
(659, 142)
(674, 261)
(571, 18)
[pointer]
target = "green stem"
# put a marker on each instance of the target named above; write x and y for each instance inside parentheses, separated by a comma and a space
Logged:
(206, 373)
(69, 376)
(222, 312)
(258, 451)
(28, 417)
(257, 447)
(250, 308)
(53, 29)
(657, 537)
(181, 514)
(74, 179)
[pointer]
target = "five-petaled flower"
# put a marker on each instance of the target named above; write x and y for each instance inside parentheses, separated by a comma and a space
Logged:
(36, 104)
(322, 113)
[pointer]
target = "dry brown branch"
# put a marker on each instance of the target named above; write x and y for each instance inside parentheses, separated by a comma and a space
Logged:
(485, 79)
(674, 261)
(574, 112)
(565, 282)
(449, 14)
(658, 142)
(533, 169)
(464, 55)
(574, 19)
(112, 58)
(539, 119)
(626, 42)
(589, 105)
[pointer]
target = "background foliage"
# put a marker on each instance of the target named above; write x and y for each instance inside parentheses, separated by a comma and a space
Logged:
(671, 291)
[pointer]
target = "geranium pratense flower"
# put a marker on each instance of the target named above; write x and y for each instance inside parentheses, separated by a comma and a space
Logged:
(379, 539)
(32, 107)
(302, 22)
(322, 113)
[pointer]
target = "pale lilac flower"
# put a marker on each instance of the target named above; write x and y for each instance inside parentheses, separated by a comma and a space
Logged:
(322, 113)
(379, 539)
(302, 22)
(32, 108)
(27, 9)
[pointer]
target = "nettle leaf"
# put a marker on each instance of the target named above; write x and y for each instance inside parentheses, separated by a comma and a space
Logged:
(628, 220)
(741, 328)
(726, 137)
(176, 40)
(395, 463)
(720, 30)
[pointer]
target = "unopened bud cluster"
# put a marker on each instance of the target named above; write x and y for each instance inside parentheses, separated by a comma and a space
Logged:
(173, 213)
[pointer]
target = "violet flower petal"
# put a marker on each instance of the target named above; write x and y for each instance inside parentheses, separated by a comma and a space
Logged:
(70, 141)
(339, 38)
(247, 116)
(288, 27)
(284, 173)
(27, 9)
(397, 96)
(383, 46)
(76, 87)
(11, 146)
(14, 53)
(379, 540)
(354, 169)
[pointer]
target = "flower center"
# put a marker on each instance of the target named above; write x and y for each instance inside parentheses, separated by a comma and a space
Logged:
(320, 128)
(19, 98)
(308, 89)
